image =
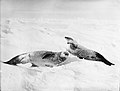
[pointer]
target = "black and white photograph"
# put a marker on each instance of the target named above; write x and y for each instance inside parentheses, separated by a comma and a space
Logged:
(60, 45)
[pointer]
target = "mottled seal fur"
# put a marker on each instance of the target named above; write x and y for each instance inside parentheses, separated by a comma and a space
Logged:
(85, 53)
(39, 58)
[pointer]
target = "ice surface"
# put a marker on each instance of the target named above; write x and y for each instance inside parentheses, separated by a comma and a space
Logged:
(24, 35)
(32, 25)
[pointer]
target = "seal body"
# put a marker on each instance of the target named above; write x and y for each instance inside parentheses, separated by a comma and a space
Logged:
(39, 58)
(85, 53)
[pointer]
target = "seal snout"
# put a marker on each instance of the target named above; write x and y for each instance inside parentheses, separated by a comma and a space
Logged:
(66, 54)
(68, 38)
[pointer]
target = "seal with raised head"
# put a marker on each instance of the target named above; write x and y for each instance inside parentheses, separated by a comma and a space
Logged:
(39, 58)
(85, 53)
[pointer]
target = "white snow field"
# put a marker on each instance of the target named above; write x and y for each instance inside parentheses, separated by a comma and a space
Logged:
(20, 35)
(35, 25)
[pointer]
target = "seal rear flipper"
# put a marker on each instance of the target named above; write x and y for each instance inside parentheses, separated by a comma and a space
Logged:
(8, 62)
(80, 57)
(102, 59)
(13, 61)
(107, 62)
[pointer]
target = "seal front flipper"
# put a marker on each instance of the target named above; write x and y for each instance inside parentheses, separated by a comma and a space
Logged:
(48, 55)
(80, 57)
(33, 65)
(47, 65)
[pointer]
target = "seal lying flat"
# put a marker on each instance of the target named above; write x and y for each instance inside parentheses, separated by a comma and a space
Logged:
(84, 53)
(39, 58)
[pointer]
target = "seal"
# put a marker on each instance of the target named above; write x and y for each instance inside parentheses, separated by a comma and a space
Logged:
(39, 58)
(85, 53)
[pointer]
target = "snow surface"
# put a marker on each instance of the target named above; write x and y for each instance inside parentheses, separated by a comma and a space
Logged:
(25, 35)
